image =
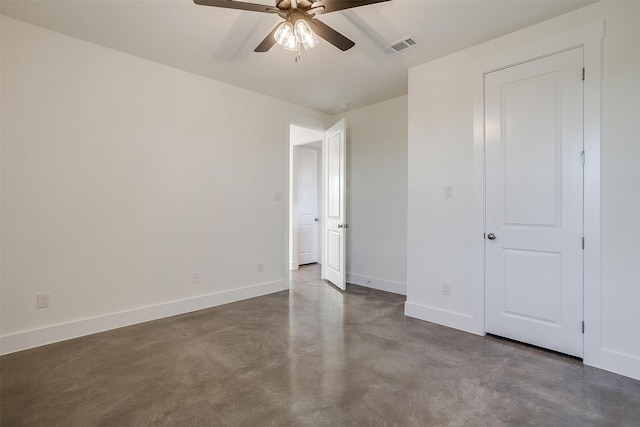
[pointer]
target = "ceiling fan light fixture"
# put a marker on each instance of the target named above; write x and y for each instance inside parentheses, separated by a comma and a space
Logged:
(285, 36)
(305, 34)
(299, 14)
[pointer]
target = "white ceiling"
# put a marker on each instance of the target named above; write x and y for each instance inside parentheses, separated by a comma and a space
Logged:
(218, 43)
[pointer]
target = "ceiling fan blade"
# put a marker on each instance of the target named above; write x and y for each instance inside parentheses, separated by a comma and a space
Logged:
(231, 4)
(330, 35)
(326, 6)
(268, 41)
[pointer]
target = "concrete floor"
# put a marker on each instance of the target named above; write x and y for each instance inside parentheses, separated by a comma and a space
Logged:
(310, 357)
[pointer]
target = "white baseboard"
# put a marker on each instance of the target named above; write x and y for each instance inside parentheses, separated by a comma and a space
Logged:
(293, 265)
(380, 284)
(609, 360)
(448, 318)
(64, 331)
(614, 361)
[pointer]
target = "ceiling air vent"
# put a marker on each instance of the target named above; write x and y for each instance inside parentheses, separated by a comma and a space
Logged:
(401, 46)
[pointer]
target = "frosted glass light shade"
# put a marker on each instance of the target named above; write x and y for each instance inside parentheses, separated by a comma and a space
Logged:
(305, 35)
(285, 37)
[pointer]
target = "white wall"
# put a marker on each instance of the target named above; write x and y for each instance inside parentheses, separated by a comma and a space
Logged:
(440, 231)
(120, 177)
(377, 195)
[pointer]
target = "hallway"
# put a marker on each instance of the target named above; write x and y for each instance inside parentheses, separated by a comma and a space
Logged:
(312, 356)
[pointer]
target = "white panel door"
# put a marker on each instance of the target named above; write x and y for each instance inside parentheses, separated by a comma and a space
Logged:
(307, 205)
(534, 202)
(334, 228)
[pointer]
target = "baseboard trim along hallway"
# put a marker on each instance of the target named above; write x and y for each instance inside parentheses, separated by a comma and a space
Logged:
(379, 284)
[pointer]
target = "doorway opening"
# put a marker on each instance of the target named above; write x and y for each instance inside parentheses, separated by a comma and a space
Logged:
(305, 195)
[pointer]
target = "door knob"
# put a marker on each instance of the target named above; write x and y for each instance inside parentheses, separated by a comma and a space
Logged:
(491, 236)
(316, 219)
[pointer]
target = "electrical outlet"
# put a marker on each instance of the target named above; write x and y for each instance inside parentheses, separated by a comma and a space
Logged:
(43, 300)
(260, 267)
(446, 289)
(448, 192)
(277, 196)
(195, 277)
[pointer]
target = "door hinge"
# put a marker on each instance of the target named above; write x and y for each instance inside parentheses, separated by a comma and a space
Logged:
(582, 157)
(583, 243)
(583, 73)
(583, 326)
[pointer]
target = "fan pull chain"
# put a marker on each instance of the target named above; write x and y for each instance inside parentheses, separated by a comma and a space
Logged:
(298, 57)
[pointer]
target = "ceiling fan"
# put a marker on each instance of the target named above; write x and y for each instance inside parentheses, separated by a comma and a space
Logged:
(300, 27)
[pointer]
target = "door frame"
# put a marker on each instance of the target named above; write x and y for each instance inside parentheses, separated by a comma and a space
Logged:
(590, 38)
(310, 123)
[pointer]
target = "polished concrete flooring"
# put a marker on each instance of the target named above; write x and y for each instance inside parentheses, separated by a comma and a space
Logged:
(313, 356)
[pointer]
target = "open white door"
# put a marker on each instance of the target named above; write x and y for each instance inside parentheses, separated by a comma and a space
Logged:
(334, 226)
